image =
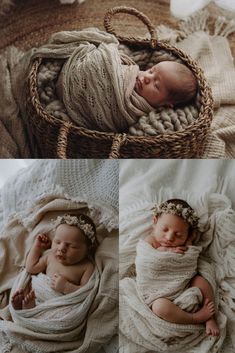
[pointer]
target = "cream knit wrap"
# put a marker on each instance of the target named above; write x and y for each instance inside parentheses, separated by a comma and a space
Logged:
(97, 89)
(64, 315)
(164, 274)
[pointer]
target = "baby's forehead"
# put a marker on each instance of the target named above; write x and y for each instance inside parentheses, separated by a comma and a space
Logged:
(168, 217)
(166, 65)
(67, 231)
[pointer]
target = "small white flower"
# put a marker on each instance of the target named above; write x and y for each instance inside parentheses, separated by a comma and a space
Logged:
(78, 222)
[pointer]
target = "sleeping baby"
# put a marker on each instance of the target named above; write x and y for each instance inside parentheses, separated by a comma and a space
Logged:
(169, 261)
(106, 91)
(68, 262)
(167, 84)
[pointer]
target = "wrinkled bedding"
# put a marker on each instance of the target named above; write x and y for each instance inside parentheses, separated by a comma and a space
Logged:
(142, 185)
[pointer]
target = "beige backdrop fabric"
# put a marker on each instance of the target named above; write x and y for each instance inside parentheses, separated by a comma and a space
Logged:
(214, 56)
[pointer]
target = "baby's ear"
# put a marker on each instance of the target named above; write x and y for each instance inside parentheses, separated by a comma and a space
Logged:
(155, 219)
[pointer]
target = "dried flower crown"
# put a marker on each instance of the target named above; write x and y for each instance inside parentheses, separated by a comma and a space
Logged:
(77, 221)
(187, 213)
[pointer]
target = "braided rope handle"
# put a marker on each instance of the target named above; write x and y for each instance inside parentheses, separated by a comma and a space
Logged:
(131, 11)
(62, 141)
(118, 141)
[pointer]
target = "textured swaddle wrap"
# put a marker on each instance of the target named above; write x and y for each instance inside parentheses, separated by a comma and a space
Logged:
(55, 313)
(98, 90)
(42, 288)
(164, 274)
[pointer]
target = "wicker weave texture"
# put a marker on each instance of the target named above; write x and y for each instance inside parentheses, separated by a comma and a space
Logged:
(59, 139)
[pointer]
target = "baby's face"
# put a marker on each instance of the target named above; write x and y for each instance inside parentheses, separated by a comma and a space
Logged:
(170, 230)
(155, 84)
(69, 245)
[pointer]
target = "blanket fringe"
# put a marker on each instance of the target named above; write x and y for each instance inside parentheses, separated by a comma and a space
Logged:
(224, 27)
(200, 21)
(195, 23)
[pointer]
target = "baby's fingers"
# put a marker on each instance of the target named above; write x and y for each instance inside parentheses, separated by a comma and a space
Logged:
(178, 251)
(182, 248)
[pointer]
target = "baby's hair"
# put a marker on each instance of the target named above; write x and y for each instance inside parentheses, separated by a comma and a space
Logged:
(91, 241)
(186, 92)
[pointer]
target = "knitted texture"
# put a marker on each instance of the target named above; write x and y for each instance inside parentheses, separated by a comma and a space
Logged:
(141, 330)
(92, 181)
(51, 326)
(94, 85)
(161, 120)
(163, 274)
(64, 315)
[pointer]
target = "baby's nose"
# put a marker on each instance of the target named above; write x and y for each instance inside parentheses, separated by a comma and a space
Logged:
(62, 248)
(147, 79)
(170, 236)
(144, 77)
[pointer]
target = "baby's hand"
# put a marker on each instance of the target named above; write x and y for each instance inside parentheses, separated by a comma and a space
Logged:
(58, 283)
(43, 241)
(177, 249)
(180, 249)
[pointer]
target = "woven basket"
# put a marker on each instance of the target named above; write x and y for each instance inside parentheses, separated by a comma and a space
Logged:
(58, 139)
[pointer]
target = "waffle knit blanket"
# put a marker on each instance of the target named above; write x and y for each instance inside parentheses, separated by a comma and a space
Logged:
(163, 274)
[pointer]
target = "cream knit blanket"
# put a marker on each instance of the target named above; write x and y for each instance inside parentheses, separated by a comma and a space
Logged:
(140, 330)
(64, 315)
(97, 89)
(163, 274)
(32, 199)
(32, 330)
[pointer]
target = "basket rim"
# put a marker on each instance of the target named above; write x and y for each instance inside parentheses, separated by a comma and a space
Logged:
(201, 122)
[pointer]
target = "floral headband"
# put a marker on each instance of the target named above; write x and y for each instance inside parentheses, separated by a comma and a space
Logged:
(79, 222)
(187, 213)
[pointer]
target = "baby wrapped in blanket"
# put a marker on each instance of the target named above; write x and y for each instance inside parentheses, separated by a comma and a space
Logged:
(97, 86)
(63, 282)
(106, 91)
(166, 269)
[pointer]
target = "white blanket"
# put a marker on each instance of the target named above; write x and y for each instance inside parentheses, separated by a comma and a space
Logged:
(163, 274)
(64, 315)
(54, 188)
(208, 187)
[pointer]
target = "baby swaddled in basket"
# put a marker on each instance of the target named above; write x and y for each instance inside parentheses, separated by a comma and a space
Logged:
(62, 277)
(104, 90)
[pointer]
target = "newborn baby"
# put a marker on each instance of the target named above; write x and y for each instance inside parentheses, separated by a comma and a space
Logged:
(172, 232)
(67, 263)
(167, 84)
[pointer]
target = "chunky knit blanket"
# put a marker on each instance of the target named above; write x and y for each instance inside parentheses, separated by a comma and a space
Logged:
(56, 188)
(163, 274)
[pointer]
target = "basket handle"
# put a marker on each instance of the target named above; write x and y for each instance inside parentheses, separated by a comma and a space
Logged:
(62, 141)
(131, 11)
(118, 141)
